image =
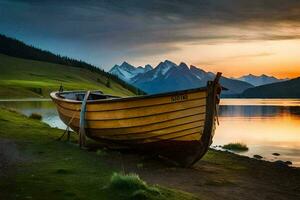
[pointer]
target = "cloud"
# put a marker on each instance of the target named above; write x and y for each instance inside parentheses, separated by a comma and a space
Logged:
(138, 28)
(233, 58)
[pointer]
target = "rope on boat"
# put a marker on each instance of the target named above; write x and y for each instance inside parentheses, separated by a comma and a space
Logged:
(218, 89)
(82, 135)
(217, 114)
(68, 128)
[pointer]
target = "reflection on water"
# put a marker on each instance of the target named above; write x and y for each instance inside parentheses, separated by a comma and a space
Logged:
(258, 111)
(43, 107)
(267, 126)
(261, 102)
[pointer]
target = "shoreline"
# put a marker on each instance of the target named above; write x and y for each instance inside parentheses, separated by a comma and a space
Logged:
(257, 157)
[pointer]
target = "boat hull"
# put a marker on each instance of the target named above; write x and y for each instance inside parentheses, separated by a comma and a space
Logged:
(177, 125)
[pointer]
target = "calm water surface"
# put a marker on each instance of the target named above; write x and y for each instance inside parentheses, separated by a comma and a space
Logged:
(266, 125)
(44, 107)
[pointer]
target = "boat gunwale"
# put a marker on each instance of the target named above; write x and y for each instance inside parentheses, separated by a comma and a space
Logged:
(133, 108)
(55, 96)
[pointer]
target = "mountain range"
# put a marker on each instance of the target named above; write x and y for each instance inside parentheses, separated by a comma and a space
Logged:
(284, 89)
(168, 76)
(260, 80)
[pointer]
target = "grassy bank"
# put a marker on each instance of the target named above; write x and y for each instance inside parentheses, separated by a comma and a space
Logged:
(36, 166)
(21, 78)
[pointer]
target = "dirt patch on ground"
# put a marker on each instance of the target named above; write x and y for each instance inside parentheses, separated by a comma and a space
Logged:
(223, 176)
(9, 156)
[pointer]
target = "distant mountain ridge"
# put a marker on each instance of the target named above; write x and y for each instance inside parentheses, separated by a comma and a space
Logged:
(284, 89)
(260, 80)
(168, 76)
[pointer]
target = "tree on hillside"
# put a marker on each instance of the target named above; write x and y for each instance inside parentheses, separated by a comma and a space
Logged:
(108, 83)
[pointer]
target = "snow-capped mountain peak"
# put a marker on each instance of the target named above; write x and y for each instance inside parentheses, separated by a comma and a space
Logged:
(121, 72)
(126, 71)
(164, 67)
(126, 66)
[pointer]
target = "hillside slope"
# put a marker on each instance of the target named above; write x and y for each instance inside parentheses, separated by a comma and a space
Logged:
(286, 89)
(21, 78)
(18, 49)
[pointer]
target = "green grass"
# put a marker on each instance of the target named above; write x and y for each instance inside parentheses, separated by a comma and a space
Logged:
(127, 182)
(52, 169)
(136, 189)
(236, 147)
(225, 159)
(21, 78)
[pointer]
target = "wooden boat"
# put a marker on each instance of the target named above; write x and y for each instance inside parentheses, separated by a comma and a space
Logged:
(177, 125)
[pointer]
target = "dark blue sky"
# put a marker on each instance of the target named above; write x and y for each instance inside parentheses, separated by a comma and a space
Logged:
(106, 32)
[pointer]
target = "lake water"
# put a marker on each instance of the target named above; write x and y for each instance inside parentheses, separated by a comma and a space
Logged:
(267, 126)
(44, 107)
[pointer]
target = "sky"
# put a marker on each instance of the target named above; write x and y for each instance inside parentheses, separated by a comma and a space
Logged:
(235, 37)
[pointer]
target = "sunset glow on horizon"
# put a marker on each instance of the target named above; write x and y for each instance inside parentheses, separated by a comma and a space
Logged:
(235, 57)
(277, 58)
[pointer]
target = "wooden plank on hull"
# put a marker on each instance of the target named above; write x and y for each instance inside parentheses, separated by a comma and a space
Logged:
(124, 132)
(191, 135)
(135, 112)
(136, 129)
(144, 135)
(141, 121)
(151, 127)
(132, 113)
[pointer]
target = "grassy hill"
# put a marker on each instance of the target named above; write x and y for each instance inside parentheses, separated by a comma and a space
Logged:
(21, 78)
(27, 71)
(286, 89)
